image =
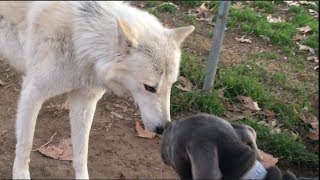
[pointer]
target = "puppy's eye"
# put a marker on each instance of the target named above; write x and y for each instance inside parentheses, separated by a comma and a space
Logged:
(150, 88)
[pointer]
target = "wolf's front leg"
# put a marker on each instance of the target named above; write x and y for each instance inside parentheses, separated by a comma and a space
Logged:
(31, 99)
(82, 107)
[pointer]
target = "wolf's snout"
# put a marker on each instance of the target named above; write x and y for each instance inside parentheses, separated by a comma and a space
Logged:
(159, 130)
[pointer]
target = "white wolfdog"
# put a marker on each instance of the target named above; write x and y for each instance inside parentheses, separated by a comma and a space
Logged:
(84, 49)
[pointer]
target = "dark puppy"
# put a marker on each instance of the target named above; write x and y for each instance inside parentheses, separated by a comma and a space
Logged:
(207, 147)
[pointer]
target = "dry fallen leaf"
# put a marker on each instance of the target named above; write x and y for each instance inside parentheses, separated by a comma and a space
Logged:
(274, 19)
(304, 29)
(238, 5)
(203, 13)
(299, 37)
(292, 3)
(63, 151)
(185, 84)
(267, 159)
(2, 83)
(307, 117)
(314, 135)
(243, 40)
(307, 3)
(144, 133)
(314, 13)
(313, 58)
(249, 103)
(316, 149)
(305, 48)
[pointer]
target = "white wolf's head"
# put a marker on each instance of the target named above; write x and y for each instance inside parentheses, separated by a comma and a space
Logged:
(141, 58)
(150, 67)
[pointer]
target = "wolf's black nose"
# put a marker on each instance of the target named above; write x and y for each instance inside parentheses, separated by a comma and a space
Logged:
(159, 130)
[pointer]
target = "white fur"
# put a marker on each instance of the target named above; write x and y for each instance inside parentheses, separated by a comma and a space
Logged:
(82, 48)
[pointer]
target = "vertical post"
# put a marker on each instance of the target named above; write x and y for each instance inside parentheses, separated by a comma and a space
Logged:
(216, 45)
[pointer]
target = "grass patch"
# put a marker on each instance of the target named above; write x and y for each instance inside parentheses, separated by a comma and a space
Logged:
(190, 18)
(280, 33)
(267, 6)
(167, 7)
(283, 146)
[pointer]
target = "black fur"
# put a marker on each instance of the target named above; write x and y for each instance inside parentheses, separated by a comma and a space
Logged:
(207, 147)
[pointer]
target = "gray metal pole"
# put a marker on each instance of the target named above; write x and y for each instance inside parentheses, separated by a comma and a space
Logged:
(216, 45)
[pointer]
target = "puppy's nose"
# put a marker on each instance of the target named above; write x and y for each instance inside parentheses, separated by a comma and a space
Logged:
(159, 130)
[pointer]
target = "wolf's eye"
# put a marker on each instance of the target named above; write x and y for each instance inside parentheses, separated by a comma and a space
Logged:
(150, 88)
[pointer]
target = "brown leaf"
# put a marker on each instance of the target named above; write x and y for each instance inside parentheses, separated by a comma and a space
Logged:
(304, 29)
(314, 13)
(141, 4)
(238, 5)
(2, 83)
(267, 159)
(249, 103)
(63, 151)
(305, 48)
(307, 117)
(242, 40)
(292, 3)
(314, 135)
(185, 84)
(316, 149)
(274, 19)
(144, 133)
(299, 37)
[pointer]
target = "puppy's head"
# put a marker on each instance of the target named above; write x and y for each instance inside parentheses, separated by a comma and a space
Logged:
(249, 136)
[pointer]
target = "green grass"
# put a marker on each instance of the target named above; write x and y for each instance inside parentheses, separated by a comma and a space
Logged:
(267, 6)
(167, 7)
(190, 18)
(280, 33)
(248, 79)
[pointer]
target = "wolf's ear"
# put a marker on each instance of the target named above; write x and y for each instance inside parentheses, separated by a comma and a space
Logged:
(127, 33)
(179, 34)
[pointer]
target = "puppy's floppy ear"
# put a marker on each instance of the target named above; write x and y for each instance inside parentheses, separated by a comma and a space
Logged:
(127, 33)
(179, 34)
(247, 135)
(204, 162)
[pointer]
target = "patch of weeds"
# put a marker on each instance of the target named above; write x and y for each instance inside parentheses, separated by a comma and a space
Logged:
(298, 64)
(190, 18)
(312, 41)
(280, 33)
(193, 69)
(267, 55)
(282, 145)
(186, 101)
(295, 9)
(155, 12)
(152, 3)
(190, 3)
(248, 80)
(279, 77)
(167, 7)
(267, 6)
(211, 34)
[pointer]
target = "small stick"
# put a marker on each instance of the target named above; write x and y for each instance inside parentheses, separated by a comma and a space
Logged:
(49, 141)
